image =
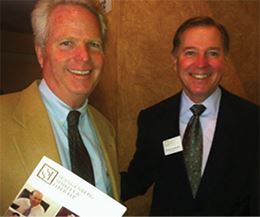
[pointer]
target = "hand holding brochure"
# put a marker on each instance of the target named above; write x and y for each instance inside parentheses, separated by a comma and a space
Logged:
(64, 194)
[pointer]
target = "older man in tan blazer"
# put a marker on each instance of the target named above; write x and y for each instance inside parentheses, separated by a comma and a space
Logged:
(69, 48)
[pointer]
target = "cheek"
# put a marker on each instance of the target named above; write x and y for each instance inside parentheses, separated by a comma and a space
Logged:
(98, 59)
(184, 64)
(217, 65)
(61, 56)
(56, 55)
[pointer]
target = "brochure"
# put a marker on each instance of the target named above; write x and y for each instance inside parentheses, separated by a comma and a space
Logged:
(63, 194)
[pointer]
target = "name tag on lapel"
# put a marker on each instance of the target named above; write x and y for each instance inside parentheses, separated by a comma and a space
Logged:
(172, 145)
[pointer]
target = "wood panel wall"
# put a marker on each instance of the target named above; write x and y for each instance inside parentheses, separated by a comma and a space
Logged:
(138, 70)
(19, 64)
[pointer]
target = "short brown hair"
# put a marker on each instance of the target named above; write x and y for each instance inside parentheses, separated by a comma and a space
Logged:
(200, 21)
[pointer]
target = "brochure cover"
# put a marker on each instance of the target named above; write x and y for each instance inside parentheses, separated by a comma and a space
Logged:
(55, 191)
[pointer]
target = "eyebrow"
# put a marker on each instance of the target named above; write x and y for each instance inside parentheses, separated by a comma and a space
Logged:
(209, 48)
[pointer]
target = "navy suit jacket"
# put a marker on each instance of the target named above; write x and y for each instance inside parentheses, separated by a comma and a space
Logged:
(230, 182)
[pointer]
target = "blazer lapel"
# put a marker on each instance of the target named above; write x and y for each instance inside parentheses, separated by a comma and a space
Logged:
(108, 150)
(171, 117)
(35, 137)
(218, 156)
(175, 162)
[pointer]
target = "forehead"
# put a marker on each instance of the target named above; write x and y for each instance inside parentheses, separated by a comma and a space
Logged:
(36, 195)
(64, 14)
(201, 36)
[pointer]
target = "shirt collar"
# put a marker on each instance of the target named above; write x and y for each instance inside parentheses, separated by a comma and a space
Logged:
(211, 103)
(55, 105)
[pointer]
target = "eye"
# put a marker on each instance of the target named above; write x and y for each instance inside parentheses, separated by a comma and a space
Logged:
(66, 44)
(213, 53)
(189, 53)
(95, 45)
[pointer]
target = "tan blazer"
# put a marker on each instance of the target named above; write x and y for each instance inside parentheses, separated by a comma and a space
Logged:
(26, 136)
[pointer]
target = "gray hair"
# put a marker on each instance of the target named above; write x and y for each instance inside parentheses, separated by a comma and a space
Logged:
(43, 9)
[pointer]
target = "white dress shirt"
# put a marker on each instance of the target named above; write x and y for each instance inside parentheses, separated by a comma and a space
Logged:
(24, 204)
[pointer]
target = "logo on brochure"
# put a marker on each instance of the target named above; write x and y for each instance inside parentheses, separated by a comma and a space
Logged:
(47, 173)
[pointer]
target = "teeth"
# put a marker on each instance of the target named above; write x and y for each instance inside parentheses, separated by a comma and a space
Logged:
(80, 72)
(200, 76)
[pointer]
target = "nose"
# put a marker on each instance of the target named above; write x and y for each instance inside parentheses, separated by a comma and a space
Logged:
(201, 61)
(82, 53)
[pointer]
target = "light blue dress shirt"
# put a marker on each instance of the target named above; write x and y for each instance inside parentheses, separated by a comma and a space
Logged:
(58, 112)
(208, 120)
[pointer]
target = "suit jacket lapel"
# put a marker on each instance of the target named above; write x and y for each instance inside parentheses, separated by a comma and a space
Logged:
(175, 162)
(183, 176)
(172, 117)
(35, 137)
(219, 150)
(107, 151)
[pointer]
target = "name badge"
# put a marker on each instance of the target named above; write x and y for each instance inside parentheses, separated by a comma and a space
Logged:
(172, 145)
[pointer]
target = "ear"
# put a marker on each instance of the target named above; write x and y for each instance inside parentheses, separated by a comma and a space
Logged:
(39, 54)
(174, 61)
(227, 57)
(227, 63)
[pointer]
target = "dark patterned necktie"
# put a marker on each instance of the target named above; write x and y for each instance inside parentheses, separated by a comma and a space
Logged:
(79, 156)
(192, 144)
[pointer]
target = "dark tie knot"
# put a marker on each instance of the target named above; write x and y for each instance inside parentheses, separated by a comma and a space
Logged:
(73, 118)
(198, 109)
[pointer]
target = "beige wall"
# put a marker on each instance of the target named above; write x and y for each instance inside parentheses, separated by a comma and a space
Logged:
(138, 70)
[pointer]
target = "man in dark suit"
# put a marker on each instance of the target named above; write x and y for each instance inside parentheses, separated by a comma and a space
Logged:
(228, 181)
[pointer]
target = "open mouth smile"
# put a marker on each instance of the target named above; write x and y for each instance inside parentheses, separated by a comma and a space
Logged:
(200, 76)
(79, 72)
